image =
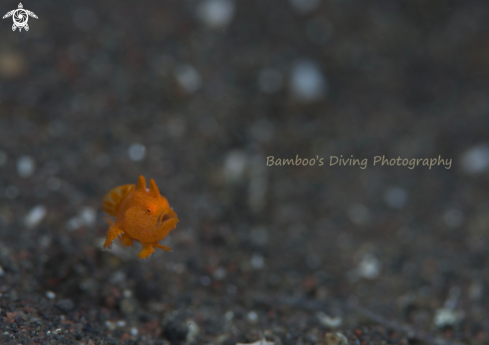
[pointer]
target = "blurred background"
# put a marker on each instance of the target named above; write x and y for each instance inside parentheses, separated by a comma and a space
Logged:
(196, 95)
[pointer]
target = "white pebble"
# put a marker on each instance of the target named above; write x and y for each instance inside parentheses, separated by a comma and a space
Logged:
(88, 216)
(395, 197)
(137, 152)
(110, 325)
(188, 78)
(454, 218)
(26, 166)
(35, 216)
(134, 331)
(74, 223)
(219, 273)
(476, 291)
(445, 317)
(270, 80)
(118, 277)
(234, 166)
(476, 159)
(216, 13)
(305, 6)
(358, 214)
(192, 330)
(127, 293)
(3, 158)
(121, 323)
(252, 316)
(229, 315)
(50, 295)
(307, 82)
(327, 321)
(257, 261)
(369, 267)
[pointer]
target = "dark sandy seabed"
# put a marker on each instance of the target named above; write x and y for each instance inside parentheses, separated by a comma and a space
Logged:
(100, 92)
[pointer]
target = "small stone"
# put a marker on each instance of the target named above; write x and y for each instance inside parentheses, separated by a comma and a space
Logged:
(369, 267)
(335, 339)
(219, 273)
(445, 317)
(12, 64)
(358, 214)
(229, 315)
(85, 18)
(25, 166)
(128, 306)
(110, 325)
(11, 192)
(252, 316)
(327, 321)
(257, 261)
(53, 183)
(454, 218)
(50, 295)
(307, 82)
(216, 13)
(262, 341)
(193, 330)
(127, 293)
(137, 152)
(476, 159)
(262, 130)
(205, 280)
(88, 216)
(35, 216)
(259, 236)
(270, 80)
(395, 197)
(188, 78)
(65, 305)
(208, 126)
(134, 331)
(234, 166)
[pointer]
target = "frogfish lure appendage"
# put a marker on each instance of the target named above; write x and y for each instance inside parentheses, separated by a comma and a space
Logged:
(141, 214)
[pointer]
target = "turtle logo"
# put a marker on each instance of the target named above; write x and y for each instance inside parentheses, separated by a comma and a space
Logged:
(20, 17)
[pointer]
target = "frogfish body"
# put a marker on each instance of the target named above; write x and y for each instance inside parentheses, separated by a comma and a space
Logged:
(142, 215)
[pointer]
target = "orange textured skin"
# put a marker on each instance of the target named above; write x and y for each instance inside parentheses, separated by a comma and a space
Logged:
(141, 214)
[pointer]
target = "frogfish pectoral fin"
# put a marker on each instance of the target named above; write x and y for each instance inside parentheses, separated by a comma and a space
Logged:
(113, 232)
(126, 240)
(146, 251)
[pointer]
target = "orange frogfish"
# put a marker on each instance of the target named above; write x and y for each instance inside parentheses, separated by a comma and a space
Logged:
(142, 215)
